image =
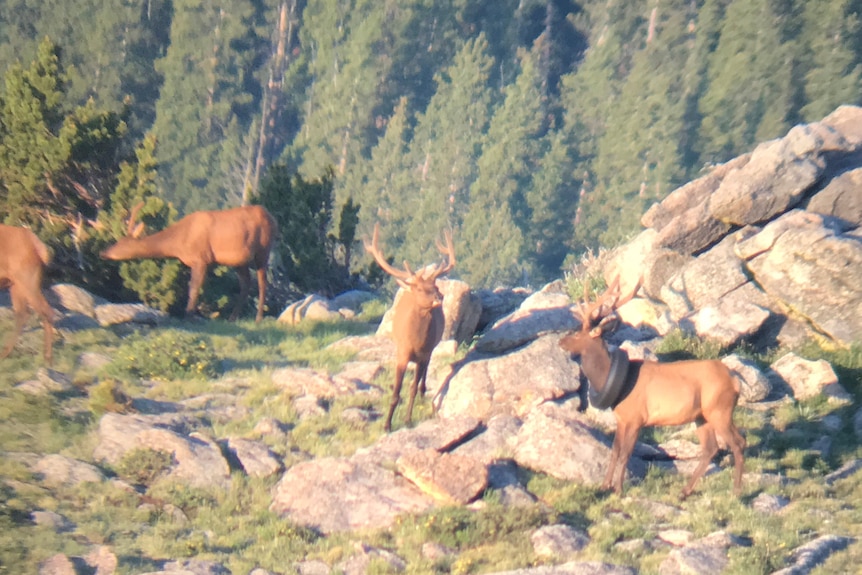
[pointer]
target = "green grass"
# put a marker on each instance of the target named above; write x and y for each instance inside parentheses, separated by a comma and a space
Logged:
(237, 528)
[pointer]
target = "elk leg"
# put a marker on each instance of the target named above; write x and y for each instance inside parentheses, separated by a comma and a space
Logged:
(44, 309)
(244, 281)
(709, 447)
(418, 382)
(627, 446)
(396, 394)
(22, 312)
(615, 453)
(736, 443)
(199, 271)
(261, 293)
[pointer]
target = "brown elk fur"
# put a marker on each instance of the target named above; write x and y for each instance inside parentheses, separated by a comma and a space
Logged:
(23, 258)
(417, 323)
(673, 393)
(237, 237)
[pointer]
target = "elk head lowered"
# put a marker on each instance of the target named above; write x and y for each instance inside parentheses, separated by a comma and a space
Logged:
(236, 237)
(417, 322)
(653, 394)
(23, 258)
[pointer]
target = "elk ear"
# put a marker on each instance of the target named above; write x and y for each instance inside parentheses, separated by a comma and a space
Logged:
(596, 332)
(404, 284)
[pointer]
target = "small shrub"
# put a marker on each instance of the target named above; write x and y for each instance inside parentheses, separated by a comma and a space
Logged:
(166, 355)
(678, 345)
(144, 466)
(108, 396)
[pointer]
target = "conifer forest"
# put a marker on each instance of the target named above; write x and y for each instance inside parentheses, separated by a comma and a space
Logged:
(536, 130)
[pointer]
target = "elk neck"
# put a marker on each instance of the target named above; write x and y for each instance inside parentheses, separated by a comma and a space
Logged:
(166, 243)
(596, 363)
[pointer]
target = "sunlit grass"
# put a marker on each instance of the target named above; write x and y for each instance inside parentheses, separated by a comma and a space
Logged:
(236, 527)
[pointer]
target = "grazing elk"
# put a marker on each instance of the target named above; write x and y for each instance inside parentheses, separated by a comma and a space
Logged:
(417, 322)
(23, 258)
(236, 237)
(648, 393)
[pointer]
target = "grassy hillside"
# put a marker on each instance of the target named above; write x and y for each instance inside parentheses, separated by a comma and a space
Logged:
(172, 521)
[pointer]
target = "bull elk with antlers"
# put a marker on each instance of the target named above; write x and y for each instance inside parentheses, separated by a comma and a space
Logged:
(236, 237)
(23, 258)
(417, 322)
(649, 393)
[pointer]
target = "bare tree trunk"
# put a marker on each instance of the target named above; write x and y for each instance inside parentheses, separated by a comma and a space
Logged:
(271, 102)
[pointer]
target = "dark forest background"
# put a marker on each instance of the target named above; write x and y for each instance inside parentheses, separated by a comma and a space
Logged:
(535, 129)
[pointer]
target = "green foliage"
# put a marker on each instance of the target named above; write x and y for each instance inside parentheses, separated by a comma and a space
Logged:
(166, 355)
(678, 345)
(303, 210)
(461, 528)
(143, 466)
(107, 395)
(158, 283)
(53, 191)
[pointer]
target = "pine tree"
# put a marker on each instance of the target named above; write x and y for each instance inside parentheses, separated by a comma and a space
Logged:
(159, 283)
(345, 74)
(382, 186)
(204, 111)
(446, 144)
(639, 158)
(499, 216)
(833, 69)
(750, 92)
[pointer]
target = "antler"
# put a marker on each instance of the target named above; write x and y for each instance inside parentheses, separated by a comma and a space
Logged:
(605, 304)
(448, 250)
(381, 261)
(134, 229)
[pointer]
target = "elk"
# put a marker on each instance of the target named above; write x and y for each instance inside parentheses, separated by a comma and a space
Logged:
(417, 322)
(22, 263)
(236, 237)
(649, 393)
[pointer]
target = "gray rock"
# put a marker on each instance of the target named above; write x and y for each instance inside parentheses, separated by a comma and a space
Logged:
(359, 563)
(513, 384)
(729, 321)
(198, 460)
(58, 470)
(808, 267)
(441, 433)
(450, 478)
(767, 503)
(544, 444)
(559, 541)
(754, 385)
(810, 378)
(255, 458)
(840, 199)
(805, 557)
(344, 494)
(313, 567)
(71, 298)
(52, 520)
(540, 313)
(312, 307)
(699, 559)
(573, 568)
(498, 303)
(774, 179)
(491, 440)
(113, 313)
(690, 195)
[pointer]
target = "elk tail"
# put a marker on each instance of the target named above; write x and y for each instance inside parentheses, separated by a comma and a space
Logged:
(41, 249)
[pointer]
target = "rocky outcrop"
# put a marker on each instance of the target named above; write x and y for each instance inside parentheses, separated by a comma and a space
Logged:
(765, 248)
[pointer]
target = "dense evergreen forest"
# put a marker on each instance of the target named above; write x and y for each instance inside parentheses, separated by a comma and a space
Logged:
(535, 129)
